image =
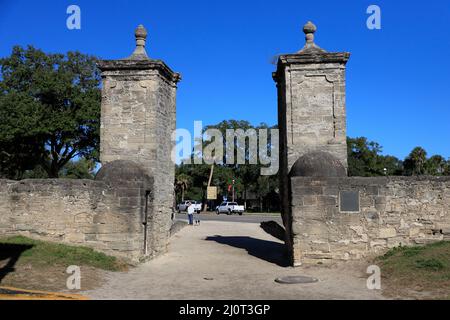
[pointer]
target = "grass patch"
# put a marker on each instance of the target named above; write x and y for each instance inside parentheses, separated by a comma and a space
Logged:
(424, 269)
(430, 264)
(41, 253)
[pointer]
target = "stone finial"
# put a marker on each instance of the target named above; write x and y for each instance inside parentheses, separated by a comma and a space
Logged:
(309, 29)
(141, 38)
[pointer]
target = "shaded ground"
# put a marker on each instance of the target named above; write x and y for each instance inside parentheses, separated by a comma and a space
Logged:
(270, 251)
(50, 278)
(227, 261)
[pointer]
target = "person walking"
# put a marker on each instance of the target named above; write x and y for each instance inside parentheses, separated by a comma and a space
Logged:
(190, 212)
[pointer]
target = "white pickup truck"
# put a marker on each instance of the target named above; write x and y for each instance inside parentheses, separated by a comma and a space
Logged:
(230, 208)
(182, 207)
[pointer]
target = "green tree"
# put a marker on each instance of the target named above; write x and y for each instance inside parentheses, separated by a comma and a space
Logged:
(415, 163)
(362, 157)
(392, 166)
(183, 182)
(49, 110)
(245, 175)
(447, 168)
(365, 159)
(248, 177)
(36, 173)
(18, 122)
(223, 126)
(80, 169)
(435, 165)
(263, 187)
(199, 175)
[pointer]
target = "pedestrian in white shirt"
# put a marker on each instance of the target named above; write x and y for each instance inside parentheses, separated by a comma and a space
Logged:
(190, 212)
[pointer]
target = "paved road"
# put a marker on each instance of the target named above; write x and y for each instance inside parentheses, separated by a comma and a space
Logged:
(245, 218)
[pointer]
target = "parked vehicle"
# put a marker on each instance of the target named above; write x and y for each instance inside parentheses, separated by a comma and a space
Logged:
(182, 207)
(230, 208)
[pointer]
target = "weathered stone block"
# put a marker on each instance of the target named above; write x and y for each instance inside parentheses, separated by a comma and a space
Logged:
(74, 238)
(309, 200)
(378, 243)
(372, 216)
(397, 242)
(387, 233)
(327, 200)
(414, 232)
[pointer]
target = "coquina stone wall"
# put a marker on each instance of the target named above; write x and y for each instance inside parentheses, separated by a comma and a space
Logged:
(392, 211)
(106, 214)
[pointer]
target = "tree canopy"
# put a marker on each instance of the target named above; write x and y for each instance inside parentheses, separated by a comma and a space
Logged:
(365, 160)
(49, 111)
(247, 177)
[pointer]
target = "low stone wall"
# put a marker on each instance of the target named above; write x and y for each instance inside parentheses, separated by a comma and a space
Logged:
(392, 211)
(78, 212)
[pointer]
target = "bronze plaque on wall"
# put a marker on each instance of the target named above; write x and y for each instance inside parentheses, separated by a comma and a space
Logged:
(349, 201)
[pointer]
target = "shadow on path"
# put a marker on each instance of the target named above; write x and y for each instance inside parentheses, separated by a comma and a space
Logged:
(12, 253)
(270, 251)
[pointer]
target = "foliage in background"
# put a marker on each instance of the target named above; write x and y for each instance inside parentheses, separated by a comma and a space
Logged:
(365, 160)
(75, 169)
(247, 177)
(182, 183)
(80, 169)
(49, 111)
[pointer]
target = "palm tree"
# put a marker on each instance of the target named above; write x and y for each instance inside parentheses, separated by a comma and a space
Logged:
(435, 166)
(416, 161)
(183, 181)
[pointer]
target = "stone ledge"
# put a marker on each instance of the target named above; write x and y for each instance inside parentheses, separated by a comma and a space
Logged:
(113, 65)
(316, 57)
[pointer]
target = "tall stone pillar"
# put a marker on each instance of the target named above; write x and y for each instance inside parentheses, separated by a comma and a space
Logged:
(311, 109)
(138, 116)
(311, 93)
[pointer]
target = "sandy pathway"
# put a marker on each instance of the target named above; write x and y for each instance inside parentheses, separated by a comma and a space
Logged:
(227, 260)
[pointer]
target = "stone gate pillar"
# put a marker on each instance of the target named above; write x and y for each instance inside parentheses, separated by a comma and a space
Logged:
(311, 109)
(311, 95)
(138, 116)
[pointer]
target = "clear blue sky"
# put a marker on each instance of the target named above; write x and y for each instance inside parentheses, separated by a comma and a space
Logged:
(398, 78)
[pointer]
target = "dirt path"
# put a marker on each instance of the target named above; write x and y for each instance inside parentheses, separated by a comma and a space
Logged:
(226, 260)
